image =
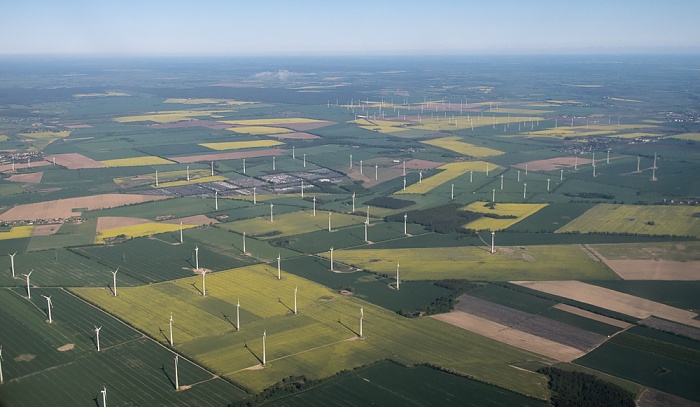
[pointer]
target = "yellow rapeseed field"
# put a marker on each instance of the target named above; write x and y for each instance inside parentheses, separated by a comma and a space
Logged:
(455, 144)
(136, 161)
(267, 122)
(237, 145)
(144, 229)
(450, 171)
(522, 211)
(17, 232)
(171, 116)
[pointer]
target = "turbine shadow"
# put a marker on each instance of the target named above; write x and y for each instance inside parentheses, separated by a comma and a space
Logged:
(285, 305)
(172, 383)
(227, 319)
(245, 344)
(96, 400)
(348, 328)
(110, 288)
(162, 332)
(197, 288)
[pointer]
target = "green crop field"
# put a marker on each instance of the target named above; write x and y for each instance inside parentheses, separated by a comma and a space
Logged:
(293, 223)
(675, 251)
(476, 263)
(637, 219)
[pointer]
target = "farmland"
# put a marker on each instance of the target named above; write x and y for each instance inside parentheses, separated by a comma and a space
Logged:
(100, 167)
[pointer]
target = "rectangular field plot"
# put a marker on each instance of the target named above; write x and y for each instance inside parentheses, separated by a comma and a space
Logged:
(387, 383)
(520, 211)
(646, 219)
(476, 263)
(292, 223)
(454, 144)
(450, 172)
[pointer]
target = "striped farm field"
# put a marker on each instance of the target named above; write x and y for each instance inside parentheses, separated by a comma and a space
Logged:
(190, 182)
(46, 134)
(170, 116)
(319, 341)
(17, 232)
(259, 130)
(637, 219)
(688, 136)
(236, 145)
(136, 161)
(143, 229)
(466, 122)
(449, 172)
(272, 121)
(294, 223)
(564, 262)
(522, 211)
(454, 144)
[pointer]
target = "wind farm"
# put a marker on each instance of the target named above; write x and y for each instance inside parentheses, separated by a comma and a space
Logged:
(243, 240)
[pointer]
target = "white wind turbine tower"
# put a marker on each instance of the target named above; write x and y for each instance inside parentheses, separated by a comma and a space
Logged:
(366, 241)
(170, 322)
(188, 172)
(156, 178)
(204, 283)
(114, 280)
(397, 277)
(295, 299)
(255, 196)
(29, 290)
(362, 317)
(216, 200)
(405, 226)
(331, 259)
(351, 158)
(638, 170)
(104, 396)
(212, 168)
(525, 169)
(2, 380)
(548, 184)
(177, 378)
(501, 182)
(273, 163)
(329, 221)
(314, 206)
(244, 165)
(238, 315)
(561, 175)
(264, 359)
(452, 193)
(272, 219)
(524, 190)
(353, 202)
(49, 305)
(607, 160)
(279, 268)
(404, 168)
(487, 169)
(404, 183)
(12, 263)
(493, 238)
(420, 177)
(367, 215)
(180, 232)
(376, 172)
(518, 175)
(360, 166)
(302, 189)
(97, 337)
(244, 242)
(304, 160)
(471, 176)
(196, 257)
(493, 195)
(294, 157)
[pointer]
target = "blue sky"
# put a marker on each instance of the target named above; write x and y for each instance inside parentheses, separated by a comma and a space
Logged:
(315, 27)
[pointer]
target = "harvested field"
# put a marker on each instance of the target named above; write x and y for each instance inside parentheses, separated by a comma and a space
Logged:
(593, 316)
(668, 326)
(66, 208)
(110, 222)
(655, 269)
(31, 178)
(510, 336)
(45, 230)
(655, 398)
(552, 164)
(295, 136)
(613, 300)
(416, 164)
(209, 124)
(77, 126)
(8, 167)
(529, 323)
(74, 161)
(228, 156)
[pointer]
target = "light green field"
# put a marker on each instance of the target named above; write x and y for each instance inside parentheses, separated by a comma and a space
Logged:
(136, 161)
(522, 211)
(318, 342)
(562, 262)
(171, 116)
(636, 219)
(205, 101)
(454, 144)
(673, 251)
(294, 223)
(236, 145)
(450, 172)
(190, 182)
(688, 136)
(259, 130)
(272, 121)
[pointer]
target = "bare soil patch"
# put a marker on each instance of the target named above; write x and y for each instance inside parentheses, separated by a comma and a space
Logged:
(8, 167)
(590, 315)
(552, 163)
(74, 161)
(25, 357)
(111, 222)
(46, 230)
(668, 326)
(65, 208)
(295, 136)
(256, 367)
(510, 336)
(228, 156)
(66, 347)
(655, 269)
(613, 300)
(192, 220)
(32, 178)
(655, 398)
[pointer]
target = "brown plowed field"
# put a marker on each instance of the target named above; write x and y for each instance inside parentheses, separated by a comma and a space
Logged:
(31, 178)
(552, 164)
(73, 161)
(110, 222)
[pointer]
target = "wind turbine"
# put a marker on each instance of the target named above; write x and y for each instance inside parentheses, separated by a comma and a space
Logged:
(188, 173)
(204, 283)
(273, 163)
(295, 299)
(156, 178)
(97, 337)
(367, 215)
(272, 219)
(366, 241)
(405, 219)
(638, 171)
(196, 257)
(548, 184)
(177, 379)
(518, 175)
(501, 182)
(360, 166)
(397, 277)
(180, 232)
(114, 280)
(304, 160)
(331, 258)
(404, 183)
(104, 396)
(244, 165)
(212, 168)
(487, 169)
(376, 172)
(255, 196)
(351, 155)
(49, 305)
(493, 196)
(362, 317)
(2, 380)
(493, 238)
(329, 221)
(524, 190)
(279, 269)
(244, 242)
(264, 335)
(353, 201)
(404, 168)
(471, 176)
(171, 328)
(216, 200)
(314, 205)
(12, 263)
(420, 177)
(561, 175)
(29, 290)
(294, 157)
(452, 194)
(238, 315)
(302, 189)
